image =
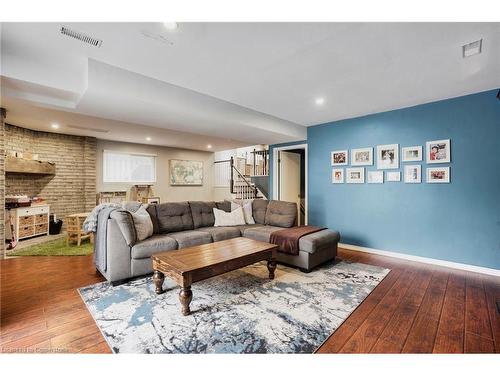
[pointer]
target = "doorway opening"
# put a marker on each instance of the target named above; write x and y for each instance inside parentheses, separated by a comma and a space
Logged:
(290, 164)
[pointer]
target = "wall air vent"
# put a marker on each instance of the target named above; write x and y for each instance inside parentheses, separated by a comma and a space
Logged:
(81, 36)
(95, 130)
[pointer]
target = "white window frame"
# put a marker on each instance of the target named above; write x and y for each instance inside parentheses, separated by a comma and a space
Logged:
(154, 156)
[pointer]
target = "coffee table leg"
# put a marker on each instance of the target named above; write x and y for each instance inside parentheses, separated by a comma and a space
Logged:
(185, 296)
(158, 278)
(271, 266)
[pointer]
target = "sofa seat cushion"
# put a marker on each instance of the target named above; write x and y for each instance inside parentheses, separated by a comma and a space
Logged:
(153, 245)
(260, 233)
(174, 217)
(221, 233)
(281, 214)
(190, 238)
(318, 241)
(203, 214)
(243, 228)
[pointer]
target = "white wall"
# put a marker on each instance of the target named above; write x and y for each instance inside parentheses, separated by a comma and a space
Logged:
(162, 187)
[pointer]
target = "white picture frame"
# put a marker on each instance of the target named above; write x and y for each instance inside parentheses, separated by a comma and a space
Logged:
(413, 174)
(393, 176)
(340, 157)
(355, 175)
(411, 153)
(438, 152)
(438, 175)
(388, 156)
(338, 176)
(362, 156)
(375, 177)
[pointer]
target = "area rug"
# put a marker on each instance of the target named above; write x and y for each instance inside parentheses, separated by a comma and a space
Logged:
(238, 312)
(55, 248)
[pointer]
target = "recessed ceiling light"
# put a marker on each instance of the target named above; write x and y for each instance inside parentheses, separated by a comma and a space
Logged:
(54, 126)
(473, 48)
(171, 25)
(209, 146)
(319, 101)
(148, 139)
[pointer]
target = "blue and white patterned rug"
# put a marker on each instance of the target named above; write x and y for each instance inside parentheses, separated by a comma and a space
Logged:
(238, 312)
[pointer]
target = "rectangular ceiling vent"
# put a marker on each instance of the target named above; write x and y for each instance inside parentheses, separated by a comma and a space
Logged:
(96, 130)
(81, 36)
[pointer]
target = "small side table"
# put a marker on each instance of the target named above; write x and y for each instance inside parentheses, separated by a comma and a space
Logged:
(75, 230)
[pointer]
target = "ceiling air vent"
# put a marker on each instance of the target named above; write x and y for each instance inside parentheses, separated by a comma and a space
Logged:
(96, 130)
(81, 36)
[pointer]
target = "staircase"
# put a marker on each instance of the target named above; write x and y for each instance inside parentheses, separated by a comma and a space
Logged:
(245, 181)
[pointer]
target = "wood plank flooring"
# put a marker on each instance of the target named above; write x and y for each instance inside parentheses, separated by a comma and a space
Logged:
(417, 308)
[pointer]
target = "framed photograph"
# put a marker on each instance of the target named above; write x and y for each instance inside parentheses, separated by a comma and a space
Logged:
(439, 175)
(375, 177)
(388, 156)
(338, 176)
(362, 156)
(340, 157)
(438, 151)
(153, 200)
(413, 174)
(413, 153)
(393, 176)
(186, 173)
(355, 175)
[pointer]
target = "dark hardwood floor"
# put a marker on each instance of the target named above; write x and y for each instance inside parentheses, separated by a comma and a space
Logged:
(417, 308)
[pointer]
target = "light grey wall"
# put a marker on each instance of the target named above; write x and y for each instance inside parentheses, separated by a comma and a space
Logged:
(162, 187)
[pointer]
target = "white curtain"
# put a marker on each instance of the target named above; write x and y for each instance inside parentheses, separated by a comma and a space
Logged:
(133, 168)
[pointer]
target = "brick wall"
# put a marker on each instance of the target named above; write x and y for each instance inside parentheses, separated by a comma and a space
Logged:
(73, 188)
(2, 182)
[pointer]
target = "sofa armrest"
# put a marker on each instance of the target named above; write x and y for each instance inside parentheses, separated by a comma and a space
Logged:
(118, 254)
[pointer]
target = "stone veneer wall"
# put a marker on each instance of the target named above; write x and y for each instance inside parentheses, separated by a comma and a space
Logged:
(73, 188)
(2, 181)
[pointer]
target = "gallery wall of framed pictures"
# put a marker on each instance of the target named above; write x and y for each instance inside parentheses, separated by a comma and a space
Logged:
(388, 164)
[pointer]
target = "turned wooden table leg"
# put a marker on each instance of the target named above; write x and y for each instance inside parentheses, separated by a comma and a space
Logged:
(271, 266)
(185, 296)
(158, 278)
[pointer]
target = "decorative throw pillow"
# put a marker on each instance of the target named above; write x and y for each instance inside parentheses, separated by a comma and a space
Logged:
(229, 219)
(143, 224)
(247, 210)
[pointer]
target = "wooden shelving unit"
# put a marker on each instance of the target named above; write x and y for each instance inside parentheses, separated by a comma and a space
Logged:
(18, 165)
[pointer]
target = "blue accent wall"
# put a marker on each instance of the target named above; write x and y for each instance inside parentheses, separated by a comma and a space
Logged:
(458, 222)
(271, 162)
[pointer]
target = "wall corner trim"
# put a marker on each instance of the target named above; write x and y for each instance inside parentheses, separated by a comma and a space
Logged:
(415, 258)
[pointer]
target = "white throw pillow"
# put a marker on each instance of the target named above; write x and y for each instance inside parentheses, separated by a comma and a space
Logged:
(142, 223)
(247, 210)
(229, 219)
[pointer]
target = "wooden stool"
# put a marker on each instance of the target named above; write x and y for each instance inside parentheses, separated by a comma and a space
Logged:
(75, 230)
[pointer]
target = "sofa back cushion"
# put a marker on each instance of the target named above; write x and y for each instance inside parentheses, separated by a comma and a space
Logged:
(223, 205)
(203, 214)
(259, 209)
(281, 214)
(174, 217)
(154, 217)
(126, 224)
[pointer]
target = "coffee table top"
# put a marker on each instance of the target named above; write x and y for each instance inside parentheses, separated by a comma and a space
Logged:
(201, 256)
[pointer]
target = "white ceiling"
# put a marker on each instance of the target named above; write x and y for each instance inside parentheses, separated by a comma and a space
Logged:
(235, 83)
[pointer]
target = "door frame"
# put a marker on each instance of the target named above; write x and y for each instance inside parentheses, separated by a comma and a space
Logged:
(276, 151)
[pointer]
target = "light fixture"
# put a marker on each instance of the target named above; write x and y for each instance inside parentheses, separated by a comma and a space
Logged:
(209, 146)
(170, 25)
(319, 101)
(54, 126)
(472, 49)
(148, 139)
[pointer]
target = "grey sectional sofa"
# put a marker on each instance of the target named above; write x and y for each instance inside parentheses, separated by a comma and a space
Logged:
(179, 225)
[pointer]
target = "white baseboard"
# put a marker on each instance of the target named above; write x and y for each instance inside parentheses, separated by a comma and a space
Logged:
(415, 258)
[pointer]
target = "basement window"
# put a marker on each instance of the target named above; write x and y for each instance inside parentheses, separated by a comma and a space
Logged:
(128, 168)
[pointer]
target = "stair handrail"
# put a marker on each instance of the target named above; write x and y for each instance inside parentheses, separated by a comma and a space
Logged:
(254, 188)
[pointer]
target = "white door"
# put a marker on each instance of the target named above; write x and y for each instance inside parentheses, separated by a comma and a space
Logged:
(289, 178)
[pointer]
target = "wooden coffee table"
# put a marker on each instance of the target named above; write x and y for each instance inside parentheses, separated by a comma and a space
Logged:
(192, 264)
